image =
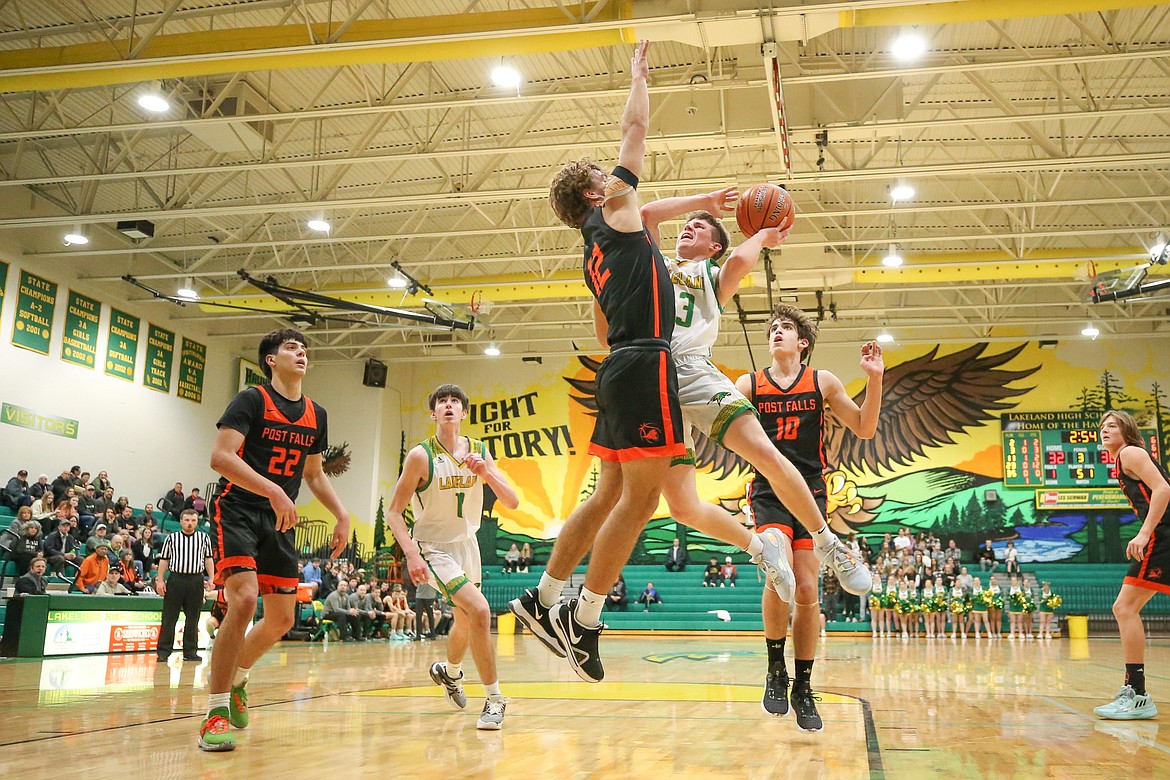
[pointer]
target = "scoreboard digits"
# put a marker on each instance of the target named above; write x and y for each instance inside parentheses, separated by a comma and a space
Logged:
(1067, 456)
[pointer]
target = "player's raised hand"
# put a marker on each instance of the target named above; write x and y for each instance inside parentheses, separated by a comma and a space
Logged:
(770, 238)
(285, 509)
(871, 359)
(476, 464)
(340, 537)
(722, 201)
(638, 66)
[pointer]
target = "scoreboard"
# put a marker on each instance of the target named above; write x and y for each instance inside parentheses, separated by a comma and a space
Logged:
(1063, 451)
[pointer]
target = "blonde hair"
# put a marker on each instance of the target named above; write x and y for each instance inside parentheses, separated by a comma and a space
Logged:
(1127, 425)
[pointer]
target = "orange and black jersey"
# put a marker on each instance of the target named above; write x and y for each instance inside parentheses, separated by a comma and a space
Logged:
(628, 276)
(794, 419)
(1137, 492)
(279, 435)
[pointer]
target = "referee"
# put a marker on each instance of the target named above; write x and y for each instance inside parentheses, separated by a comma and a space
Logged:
(187, 555)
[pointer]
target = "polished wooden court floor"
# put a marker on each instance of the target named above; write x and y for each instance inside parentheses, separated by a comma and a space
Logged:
(671, 706)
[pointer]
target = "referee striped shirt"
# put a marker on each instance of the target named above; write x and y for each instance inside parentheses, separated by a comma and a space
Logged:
(186, 553)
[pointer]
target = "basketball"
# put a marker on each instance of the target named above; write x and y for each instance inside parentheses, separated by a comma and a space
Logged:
(764, 206)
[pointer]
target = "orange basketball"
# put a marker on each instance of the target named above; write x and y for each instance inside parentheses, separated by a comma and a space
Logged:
(764, 206)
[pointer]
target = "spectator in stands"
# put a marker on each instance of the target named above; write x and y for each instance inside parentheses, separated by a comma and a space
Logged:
(903, 542)
(1011, 559)
(312, 574)
(711, 575)
(338, 610)
(100, 536)
(965, 580)
(109, 518)
(953, 553)
(987, 560)
(406, 625)
(16, 492)
(174, 501)
(102, 483)
(649, 596)
(94, 568)
(728, 573)
(40, 487)
(62, 486)
(144, 552)
(328, 580)
(866, 552)
(112, 584)
(196, 502)
(371, 619)
(24, 516)
(62, 547)
(424, 602)
(526, 558)
(147, 514)
(27, 546)
(33, 582)
(44, 510)
(616, 599)
(117, 547)
(127, 521)
(512, 559)
(676, 557)
(831, 590)
(128, 569)
(121, 504)
(104, 501)
(946, 578)
(87, 512)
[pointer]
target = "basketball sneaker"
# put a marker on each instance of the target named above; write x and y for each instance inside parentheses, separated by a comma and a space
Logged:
(537, 619)
(492, 717)
(775, 701)
(452, 686)
(1125, 694)
(579, 641)
(238, 707)
(853, 575)
(215, 734)
(1134, 706)
(775, 566)
(804, 704)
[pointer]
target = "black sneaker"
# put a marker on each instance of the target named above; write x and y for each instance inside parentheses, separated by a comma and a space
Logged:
(580, 641)
(537, 619)
(775, 701)
(804, 703)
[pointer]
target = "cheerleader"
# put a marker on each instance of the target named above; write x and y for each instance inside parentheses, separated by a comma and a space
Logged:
(1015, 603)
(995, 608)
(877, 615)
(1049, 603)
(960, 607)
(980, 600)
(1029, 608)
(907, 608)
(928, 612)
(889, 602)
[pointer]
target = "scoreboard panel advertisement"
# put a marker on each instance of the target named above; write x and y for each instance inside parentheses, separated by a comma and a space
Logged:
(1059, 449)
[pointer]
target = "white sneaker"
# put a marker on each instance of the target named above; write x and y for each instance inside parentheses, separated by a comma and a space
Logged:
(492, 717)
(854, 577)
(775, 566)
(1123, 697)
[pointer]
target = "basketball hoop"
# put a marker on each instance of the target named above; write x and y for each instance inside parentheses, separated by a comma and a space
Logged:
(476, 301)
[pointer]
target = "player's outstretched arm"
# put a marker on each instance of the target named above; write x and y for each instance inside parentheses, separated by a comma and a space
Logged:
(744, 259)
(414, 473)
(322, 488)
(226, 461)
(656, 212)
(861, 420)
(487, 470)
(620, 207)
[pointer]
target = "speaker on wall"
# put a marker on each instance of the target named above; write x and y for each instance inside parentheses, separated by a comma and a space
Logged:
(375, 373)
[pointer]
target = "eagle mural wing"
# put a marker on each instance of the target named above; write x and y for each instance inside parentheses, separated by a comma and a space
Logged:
(586, 387)
(924, 402)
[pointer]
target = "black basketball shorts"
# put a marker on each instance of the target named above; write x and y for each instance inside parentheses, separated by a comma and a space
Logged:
(638, 415)
(1153, 570)
(245, 538)
(769, 513)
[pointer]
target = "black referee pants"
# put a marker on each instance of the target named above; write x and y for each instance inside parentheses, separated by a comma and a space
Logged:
(184, 594)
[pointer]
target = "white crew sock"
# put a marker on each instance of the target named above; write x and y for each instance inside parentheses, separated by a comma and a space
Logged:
(755, 546)
(824, 537)
(549, 590)
(241, 676)
(589, 608)
(217, 701)
(454, 671)
(493, 691)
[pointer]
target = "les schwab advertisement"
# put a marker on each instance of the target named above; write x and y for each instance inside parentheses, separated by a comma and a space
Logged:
(109, 631)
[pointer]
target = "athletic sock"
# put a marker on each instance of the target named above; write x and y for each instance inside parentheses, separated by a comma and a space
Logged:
(755, 546)
(241, 676)
(493, 691)
(804, 673)
(776, 654)
(589, 608)
(217, 701)
(549, 590)
(824, 537)
(454, 671)
(1135, 677)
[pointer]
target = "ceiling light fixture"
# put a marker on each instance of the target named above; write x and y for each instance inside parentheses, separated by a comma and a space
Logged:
(187, 290)
(491, 350)
(75, 238)
(398, 281)
(153, 100)
(1091, 331)
(506, 76)
(902, 192)
(892, 258)
(884, 337)
(320, 225)
(908, 46)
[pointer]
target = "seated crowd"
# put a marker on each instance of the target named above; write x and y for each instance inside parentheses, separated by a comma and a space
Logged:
(361, 606)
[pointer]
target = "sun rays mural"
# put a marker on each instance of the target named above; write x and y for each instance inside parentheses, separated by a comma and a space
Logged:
(936, 463)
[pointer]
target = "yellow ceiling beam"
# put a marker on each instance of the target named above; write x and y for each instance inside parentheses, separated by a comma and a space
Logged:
(183, 55)
(990, 266)
(979, 11)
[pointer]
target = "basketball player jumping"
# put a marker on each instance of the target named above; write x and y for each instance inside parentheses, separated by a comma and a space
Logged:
(270, 438)
(443, 478)
(791, 398)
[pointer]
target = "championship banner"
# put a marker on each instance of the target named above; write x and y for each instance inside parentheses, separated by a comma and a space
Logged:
(36, 301)
(79, 342)
(160, 358)
(122, 345)
(192, 362)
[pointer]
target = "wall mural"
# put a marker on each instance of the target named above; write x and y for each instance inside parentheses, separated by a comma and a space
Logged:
(936, 463)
